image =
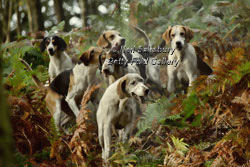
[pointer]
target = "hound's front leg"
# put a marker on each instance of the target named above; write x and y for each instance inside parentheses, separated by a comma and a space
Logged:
(52, 72)
(172, 74)
(192, 78)
(107, 140)
(171, 84)
(64, 120)
(57, 114)
(191, 74)
(127, 132)
(131, 123)
(100, 132)
(70, 99)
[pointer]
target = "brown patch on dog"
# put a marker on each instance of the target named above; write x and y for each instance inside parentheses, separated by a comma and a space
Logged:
(50, 100)
(71, 82)
(121, 88)
(105, 38)
(85, 58)
(109, 55)
(102, 41)
(188, 33)
(166, 35)
(91, 56)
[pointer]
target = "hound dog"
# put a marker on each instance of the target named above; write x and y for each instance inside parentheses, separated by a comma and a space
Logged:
(59, 60)
(189, 67)
(112, 40)
(68, 87)
(116, 109)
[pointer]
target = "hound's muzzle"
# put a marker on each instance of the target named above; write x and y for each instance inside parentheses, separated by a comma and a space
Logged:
(51, 51)
(142, 98)
(179, 45)
(106, 72)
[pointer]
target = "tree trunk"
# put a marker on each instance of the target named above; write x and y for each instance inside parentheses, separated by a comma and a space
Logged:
(119, 6)
(36, 17)
(7, 18)
(133, 5)
(84, 11)
(58, 6)
(18, 18)
(29, 16)
(6, 140)
(1, 31)
(1, 23)
(94, 6)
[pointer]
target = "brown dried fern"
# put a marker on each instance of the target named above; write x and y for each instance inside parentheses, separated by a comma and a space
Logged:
(84, 143)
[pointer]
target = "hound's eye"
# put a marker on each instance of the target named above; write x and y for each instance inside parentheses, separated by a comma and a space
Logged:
(182, 34)
(119, 34)
(53, 42)
(112, 37)
(172, 35)
(133, 83)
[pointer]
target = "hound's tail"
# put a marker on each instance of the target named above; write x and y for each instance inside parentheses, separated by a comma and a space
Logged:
(143, 33)
(162, 45)
(37, 82)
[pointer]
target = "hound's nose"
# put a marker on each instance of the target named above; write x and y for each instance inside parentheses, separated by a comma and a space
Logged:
(105, 71)
(123, 41)
(178, 43)
(51, 51)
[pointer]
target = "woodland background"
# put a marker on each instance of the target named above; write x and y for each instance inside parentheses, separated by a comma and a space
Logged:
(209, 128)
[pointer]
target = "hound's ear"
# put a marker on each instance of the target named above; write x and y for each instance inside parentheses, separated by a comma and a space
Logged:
(189, 33)
(166, 35)
(102, 41)
(121, 88)
(62, 44)
(87, 56)
(101, 59)
(43, 45)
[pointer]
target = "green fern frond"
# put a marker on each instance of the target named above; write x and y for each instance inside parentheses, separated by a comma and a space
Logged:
(180, 145)
(155, 113)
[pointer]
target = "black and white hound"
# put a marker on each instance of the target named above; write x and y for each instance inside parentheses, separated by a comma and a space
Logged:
(65, 92)
(59, 59)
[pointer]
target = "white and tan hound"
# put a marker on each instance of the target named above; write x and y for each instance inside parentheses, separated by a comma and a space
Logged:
(188, 69)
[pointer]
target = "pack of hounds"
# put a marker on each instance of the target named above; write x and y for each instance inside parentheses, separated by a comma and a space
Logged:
(128, 87)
